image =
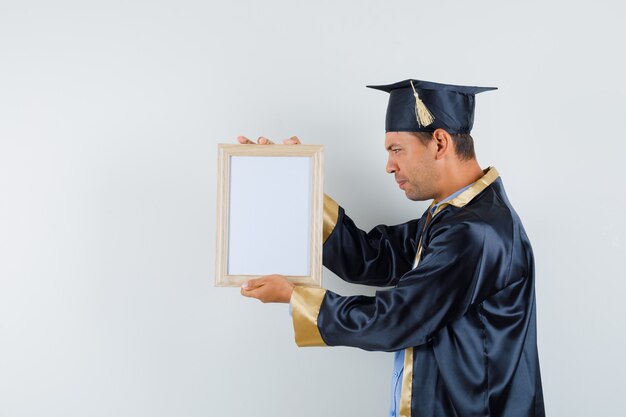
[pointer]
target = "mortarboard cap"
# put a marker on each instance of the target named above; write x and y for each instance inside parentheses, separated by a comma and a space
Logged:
(423, 106)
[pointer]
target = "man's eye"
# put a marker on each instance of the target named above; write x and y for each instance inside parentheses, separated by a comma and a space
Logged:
(395, 150)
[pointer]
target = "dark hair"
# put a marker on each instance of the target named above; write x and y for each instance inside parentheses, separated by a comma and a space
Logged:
(463, 144)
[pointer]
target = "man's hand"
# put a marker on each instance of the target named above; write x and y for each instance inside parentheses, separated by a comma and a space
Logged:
(268, 289)
(265, 141)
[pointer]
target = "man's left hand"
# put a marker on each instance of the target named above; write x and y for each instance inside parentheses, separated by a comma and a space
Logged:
(268, 289)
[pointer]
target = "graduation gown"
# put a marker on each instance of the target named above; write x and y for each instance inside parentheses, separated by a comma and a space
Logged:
(464, 316)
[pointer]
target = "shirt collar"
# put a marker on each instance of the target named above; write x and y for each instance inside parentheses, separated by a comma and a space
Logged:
(436, 204)
(463, 196)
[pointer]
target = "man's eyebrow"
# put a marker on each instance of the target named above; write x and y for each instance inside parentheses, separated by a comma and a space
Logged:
(392, 146)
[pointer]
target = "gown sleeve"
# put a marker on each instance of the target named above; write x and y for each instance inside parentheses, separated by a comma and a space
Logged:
(378, 257)
(427, 298)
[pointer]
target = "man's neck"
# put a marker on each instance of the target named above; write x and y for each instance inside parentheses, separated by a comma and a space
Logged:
(461, 175)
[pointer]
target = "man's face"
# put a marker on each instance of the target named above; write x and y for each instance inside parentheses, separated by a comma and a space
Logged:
(413, 165)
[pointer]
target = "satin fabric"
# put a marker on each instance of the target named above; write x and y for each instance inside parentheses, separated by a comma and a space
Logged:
(467, 310)
(452, 106)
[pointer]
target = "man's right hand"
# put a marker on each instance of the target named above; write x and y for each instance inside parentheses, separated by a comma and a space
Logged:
(265, 141)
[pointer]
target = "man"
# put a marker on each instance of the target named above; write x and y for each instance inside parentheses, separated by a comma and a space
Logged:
(461, 313)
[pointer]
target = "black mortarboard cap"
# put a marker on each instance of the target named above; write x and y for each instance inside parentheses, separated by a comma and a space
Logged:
(423, 106)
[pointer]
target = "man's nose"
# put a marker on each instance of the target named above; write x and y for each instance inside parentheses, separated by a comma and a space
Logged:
(391, 166)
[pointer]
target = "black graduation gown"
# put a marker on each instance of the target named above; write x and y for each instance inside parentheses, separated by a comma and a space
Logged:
(465, 315)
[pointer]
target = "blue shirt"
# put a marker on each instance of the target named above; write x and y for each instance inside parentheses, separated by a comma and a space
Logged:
(398, 360)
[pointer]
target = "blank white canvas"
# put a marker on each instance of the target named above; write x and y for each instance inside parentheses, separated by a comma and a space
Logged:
(270, 215)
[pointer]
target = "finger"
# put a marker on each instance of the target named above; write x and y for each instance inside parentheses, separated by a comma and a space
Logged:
(256, 292)
(264, 141)
(292, 141)
(250, 293)
(244, 140)
(251, 284)
(248, 289)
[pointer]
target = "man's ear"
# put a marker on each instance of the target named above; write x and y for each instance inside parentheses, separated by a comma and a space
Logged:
(443, 141)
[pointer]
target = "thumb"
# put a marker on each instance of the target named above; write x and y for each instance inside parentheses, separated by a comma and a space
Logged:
(250, 284)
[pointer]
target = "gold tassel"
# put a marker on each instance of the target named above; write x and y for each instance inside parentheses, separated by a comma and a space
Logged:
(423, 115)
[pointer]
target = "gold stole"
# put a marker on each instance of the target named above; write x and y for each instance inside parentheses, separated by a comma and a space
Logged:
(407, 373)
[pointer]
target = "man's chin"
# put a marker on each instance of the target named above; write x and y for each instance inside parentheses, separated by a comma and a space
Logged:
(415, 197)
(412, 197)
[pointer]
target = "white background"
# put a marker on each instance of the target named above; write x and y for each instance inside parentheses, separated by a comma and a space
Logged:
(110, 113)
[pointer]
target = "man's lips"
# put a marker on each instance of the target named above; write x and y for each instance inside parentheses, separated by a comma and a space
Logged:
(401, 182)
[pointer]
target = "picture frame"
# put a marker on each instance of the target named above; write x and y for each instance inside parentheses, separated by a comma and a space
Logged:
(269, 213)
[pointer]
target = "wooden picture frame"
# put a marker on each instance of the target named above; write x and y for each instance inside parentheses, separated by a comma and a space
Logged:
(269, 213)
